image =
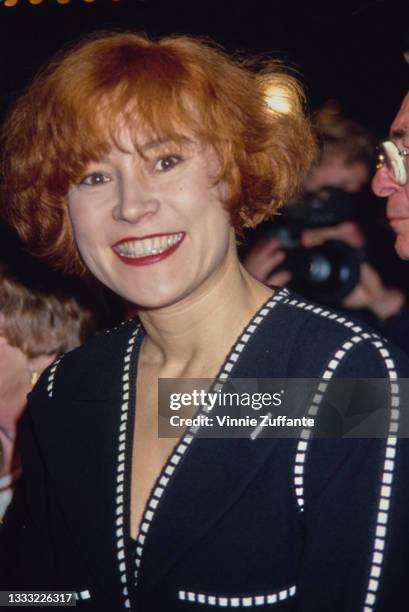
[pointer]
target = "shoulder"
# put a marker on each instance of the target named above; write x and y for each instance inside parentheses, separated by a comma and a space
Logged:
(325, 340)
(319, 319)
(91, 368)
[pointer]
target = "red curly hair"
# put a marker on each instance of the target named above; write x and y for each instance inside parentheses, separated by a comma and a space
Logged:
(55, 129)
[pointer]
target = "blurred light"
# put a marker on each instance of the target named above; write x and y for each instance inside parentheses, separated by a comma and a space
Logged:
(10, 2)
(89, 1)
(35, 1)
(63, 1)
(280, 99)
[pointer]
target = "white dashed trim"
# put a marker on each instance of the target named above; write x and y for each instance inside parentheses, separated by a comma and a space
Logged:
(246, 335)
(186, 440)
(302, 446)
(83, 595)
(51, 376)
(237, 602)
(111, 329)
(119, 492)
(386, 482)
(390, 447)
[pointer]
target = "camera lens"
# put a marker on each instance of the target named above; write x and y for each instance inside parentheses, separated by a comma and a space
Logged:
(320, 269)
(327, 273)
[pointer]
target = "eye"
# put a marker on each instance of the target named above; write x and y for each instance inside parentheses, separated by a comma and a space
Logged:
(163, 164)
(95, 178)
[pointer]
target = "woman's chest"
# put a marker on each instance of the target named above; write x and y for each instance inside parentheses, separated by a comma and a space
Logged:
(149, 455)
(153, 445)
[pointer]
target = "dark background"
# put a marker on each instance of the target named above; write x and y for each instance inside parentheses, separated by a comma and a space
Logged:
(350, 51)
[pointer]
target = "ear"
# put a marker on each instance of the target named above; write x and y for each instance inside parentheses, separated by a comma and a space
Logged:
(40, 363)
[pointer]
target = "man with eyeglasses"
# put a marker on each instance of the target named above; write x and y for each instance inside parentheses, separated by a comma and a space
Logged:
(391, 179)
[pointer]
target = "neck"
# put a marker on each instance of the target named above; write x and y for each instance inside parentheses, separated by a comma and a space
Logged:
(201, 328)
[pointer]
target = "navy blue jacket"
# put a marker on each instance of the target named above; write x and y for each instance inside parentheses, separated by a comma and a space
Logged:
(307, 525)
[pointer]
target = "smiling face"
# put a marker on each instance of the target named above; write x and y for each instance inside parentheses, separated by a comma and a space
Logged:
(384, 185)
(150, 224)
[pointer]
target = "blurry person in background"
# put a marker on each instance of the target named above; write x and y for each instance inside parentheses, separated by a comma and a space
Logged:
(38, 322)
(342, 170)
(346, 157)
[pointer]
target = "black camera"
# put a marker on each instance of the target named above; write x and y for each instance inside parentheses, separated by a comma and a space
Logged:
(325, 273)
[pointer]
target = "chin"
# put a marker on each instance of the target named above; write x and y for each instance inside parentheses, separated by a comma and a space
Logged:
(151, 304)
(152, 300)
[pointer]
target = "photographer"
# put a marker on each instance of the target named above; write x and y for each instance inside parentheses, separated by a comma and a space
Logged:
(319, 246)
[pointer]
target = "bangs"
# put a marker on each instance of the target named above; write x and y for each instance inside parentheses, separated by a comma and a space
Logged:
(154, 97)
(140, 123)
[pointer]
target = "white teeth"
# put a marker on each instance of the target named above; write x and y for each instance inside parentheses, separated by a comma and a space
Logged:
(148, 246)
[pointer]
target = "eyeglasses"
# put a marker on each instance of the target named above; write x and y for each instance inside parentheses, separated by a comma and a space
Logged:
(394, 159)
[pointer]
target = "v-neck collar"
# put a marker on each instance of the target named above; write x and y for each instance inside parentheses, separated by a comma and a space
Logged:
(129, 568)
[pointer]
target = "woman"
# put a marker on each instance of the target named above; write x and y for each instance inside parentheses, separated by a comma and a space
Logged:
(141, 159)
(36, 325)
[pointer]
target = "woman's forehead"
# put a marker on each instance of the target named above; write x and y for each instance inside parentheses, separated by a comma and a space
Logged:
(147, 118)
(130, 136)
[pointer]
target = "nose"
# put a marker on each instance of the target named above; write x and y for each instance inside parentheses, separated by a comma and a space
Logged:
(383, 183)
(135, 202)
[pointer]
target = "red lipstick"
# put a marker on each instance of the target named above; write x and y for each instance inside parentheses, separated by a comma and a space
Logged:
(145, 260)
